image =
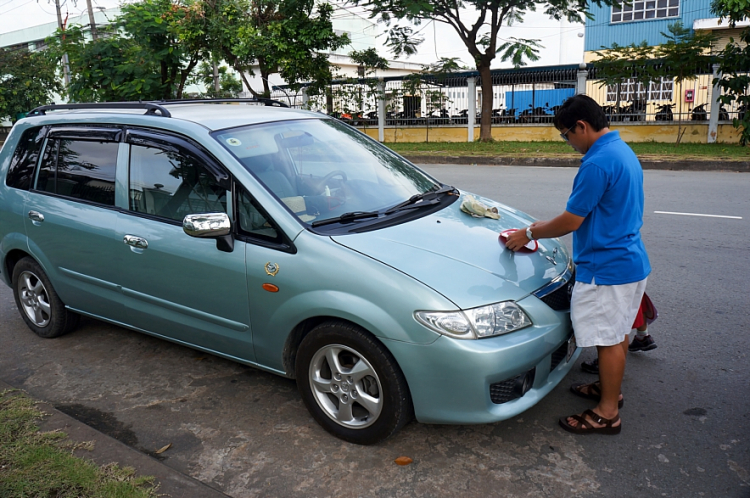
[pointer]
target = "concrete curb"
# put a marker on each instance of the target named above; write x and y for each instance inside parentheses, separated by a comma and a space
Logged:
(564, 162)
(106, 450)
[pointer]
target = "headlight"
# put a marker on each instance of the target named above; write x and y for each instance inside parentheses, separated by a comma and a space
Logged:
(476, 323)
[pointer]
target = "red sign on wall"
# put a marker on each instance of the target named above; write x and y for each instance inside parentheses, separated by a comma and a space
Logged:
(689, 95)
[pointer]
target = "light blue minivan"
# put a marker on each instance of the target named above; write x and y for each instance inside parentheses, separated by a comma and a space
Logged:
(289, 241)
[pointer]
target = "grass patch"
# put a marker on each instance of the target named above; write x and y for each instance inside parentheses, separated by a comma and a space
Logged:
(36, 464)
(644, 150)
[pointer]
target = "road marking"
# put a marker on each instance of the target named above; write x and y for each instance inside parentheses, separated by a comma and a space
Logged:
(697, 214)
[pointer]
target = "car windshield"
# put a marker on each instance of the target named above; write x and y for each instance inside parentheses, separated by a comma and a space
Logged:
(325, 171)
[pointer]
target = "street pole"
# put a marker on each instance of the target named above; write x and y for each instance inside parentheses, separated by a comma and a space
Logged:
(92, 22)
(66, 68)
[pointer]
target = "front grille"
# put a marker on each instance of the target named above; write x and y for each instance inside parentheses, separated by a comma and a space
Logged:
(559, 355)
(559, 300)
(510, 389)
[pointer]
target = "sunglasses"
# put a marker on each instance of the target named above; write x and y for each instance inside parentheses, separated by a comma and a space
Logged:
(564, 136)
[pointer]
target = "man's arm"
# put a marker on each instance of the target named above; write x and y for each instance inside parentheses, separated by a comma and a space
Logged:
(556, 227)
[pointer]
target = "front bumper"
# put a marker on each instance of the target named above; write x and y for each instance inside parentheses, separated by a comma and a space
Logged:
(450, 380)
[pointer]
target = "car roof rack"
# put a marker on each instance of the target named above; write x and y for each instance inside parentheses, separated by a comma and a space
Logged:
(256, 100)
(151, 107)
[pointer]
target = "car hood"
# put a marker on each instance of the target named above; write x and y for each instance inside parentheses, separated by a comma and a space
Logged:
(461, 257)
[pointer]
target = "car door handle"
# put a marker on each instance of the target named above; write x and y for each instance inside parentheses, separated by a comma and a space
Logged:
(137, 242)
(36, 216)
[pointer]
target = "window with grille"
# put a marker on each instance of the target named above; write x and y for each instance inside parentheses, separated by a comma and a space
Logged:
(631, 90)
(646, 10)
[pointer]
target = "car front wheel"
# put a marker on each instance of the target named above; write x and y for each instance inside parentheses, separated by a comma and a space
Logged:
(351, 384)
(40, 307)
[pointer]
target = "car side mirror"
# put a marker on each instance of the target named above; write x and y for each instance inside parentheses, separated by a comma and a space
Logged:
(210, 226)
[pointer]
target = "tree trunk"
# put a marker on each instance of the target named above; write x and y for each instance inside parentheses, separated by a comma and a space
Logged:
(485, 123)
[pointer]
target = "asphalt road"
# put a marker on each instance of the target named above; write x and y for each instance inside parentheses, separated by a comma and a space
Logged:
(686, 419)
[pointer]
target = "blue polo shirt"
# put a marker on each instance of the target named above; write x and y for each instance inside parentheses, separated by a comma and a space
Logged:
(608, 193)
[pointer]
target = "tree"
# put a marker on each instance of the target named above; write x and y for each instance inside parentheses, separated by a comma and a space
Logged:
(369, 61)
(112, 68)
(735, 65)
(149, 52)
(285, 37)
(27, 80)
(479, 34)
(229, 85)
(680, 58)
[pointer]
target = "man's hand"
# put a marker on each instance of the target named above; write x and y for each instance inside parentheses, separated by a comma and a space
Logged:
(517, 239)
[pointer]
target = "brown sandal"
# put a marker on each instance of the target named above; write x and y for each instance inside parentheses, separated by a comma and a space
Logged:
(586, 427)
(592, 391)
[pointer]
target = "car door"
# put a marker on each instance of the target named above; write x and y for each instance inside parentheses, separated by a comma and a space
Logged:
(174, 285)
(71, 216)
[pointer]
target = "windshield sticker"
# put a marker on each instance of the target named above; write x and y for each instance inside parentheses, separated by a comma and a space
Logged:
(233, 142)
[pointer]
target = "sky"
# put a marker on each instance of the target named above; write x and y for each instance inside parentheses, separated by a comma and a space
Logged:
(562, 41)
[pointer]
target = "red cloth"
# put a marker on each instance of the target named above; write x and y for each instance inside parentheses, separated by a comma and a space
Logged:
(646, 312)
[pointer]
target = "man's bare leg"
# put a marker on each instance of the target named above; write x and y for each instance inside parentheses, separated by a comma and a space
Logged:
(611, 371)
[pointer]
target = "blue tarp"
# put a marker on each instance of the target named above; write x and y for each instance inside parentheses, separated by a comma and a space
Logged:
(520, 100)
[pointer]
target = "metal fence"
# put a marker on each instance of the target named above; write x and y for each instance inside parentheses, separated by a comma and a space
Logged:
(519, 97)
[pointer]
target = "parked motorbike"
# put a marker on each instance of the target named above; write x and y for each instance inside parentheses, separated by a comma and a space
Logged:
(699, 113)
(723, 114)
(664, 113)
(461, 118)
(442, 118)
(741, 110)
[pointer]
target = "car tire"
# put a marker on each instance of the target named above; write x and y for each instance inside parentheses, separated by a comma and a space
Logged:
(38, 303)
(351, 384)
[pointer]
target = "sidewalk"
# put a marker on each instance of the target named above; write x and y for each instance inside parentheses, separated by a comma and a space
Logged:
(647, 163)
(108, 450)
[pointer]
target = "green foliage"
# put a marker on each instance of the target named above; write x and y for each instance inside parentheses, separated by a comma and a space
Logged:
(519, 49)
(148, 53)
(368, 60)
(284, 37)
(112, 68)
(27, 80)
(684, 52)
(443, 67)
(735, 65)
(229, 85)
(617, 64)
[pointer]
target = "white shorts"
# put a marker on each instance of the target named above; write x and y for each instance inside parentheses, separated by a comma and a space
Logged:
(603, 315)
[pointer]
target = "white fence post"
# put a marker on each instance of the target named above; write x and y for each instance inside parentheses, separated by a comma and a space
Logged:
(581, 83)
(472, 112)
(381, 110)
(713, 117)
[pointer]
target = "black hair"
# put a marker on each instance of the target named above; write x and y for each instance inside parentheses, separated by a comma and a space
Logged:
(580, 108)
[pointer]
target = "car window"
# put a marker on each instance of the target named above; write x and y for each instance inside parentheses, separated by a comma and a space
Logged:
(171, 183)
(321, 169)
(253, 221)
(25, 158)
(79, 169)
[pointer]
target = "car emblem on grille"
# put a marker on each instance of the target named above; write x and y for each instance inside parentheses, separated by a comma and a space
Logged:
(272, 269)
(551, 259)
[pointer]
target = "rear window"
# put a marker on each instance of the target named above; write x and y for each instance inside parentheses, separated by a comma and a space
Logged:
(80, 169)
(25, 159)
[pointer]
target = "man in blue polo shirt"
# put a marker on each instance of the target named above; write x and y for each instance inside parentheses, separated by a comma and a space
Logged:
(605, 214)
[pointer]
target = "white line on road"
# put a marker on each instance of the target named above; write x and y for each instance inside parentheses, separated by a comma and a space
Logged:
(697, 214)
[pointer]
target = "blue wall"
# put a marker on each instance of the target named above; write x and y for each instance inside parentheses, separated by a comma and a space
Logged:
(601, 33)
(522, 99)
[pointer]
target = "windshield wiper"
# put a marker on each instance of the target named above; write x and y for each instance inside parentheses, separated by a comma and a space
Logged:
(355, 215)
(430, 197)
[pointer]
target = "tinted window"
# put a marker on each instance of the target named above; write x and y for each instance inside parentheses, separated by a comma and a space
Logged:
(25, 158)
(80, 169)
(48, 168)
(253, 221)
(172, 183)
